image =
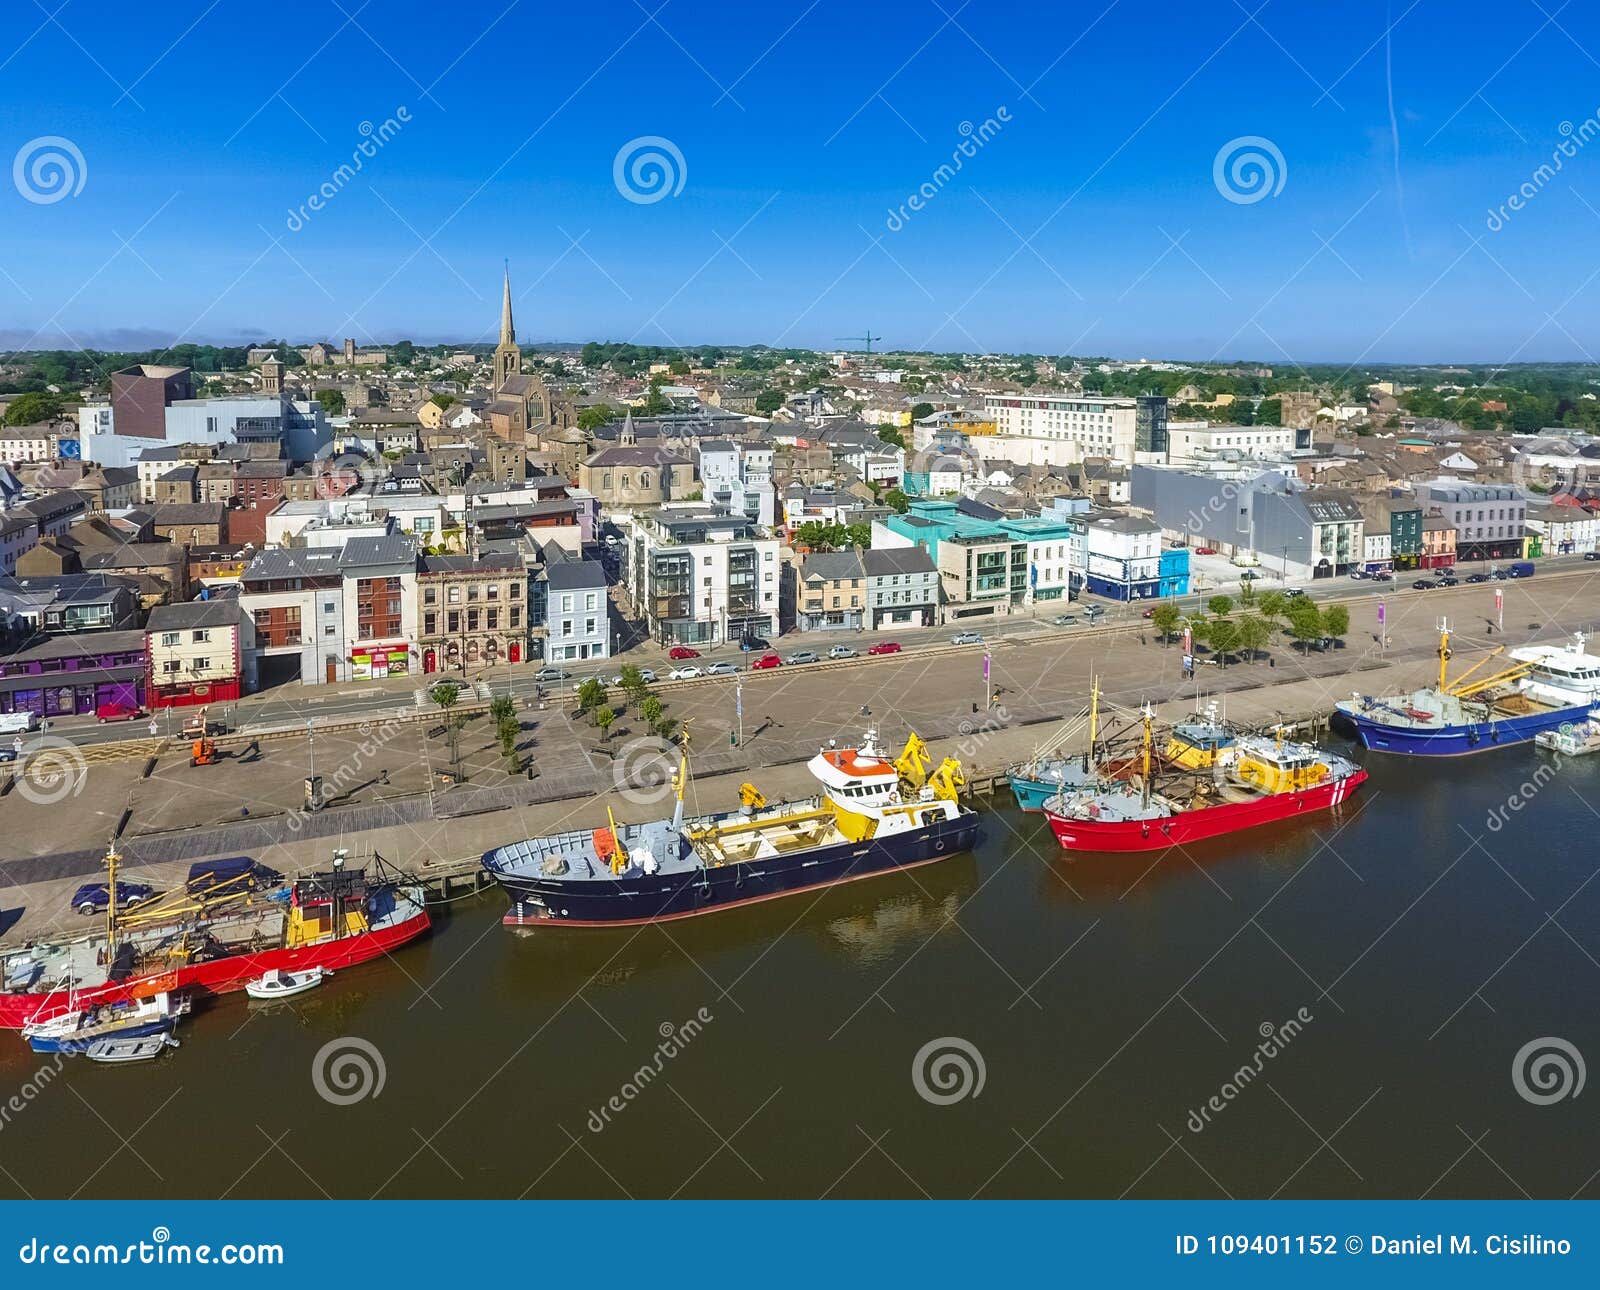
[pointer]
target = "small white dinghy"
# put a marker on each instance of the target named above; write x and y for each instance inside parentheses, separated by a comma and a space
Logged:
(143, 1049)
(278, 984)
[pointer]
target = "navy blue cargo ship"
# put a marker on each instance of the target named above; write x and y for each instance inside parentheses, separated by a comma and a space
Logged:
(873, 816)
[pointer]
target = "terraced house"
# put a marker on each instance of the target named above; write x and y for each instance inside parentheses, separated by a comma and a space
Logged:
(833, 592)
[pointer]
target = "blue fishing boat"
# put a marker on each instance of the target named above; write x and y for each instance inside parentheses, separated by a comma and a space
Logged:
(1544, 689)
(75, 1031)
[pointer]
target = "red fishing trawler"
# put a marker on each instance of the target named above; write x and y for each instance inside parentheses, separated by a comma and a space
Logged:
(213, 936)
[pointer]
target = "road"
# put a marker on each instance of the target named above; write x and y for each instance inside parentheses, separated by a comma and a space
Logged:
(296, 704)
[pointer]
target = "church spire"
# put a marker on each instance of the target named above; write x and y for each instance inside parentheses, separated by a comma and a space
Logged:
(507, 357)
(508, 333)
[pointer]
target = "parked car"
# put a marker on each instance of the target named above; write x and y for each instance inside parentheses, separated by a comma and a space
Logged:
(766, 661)
(1591, 555)
(885, 647)
(118, 712)
(841, 651)
(1249, 575)
(1383, 577)
(684, 673)
(1520, 569)
(545, 675)
(647, 674)
(1064, 620)
(1148, 612)
(1499, 575)
(682, 651)
(722, 669)
(1424, 584)
(1448, 581)
(802, 656)
(230, 877)
(1293, 593)
(967, 638)
(1205, 550)
(1477, 577)
(1360, 575)
(95, 897)
(753, 642)
(1091, 612)
(7, 754)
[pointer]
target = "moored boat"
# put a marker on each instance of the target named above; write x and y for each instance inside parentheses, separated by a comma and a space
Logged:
(1541, 691)
(1577, 739)
(123, 1050)
(74, 1030)
(279, 984)
(874, 815)
(196, 945)
(1152, 803)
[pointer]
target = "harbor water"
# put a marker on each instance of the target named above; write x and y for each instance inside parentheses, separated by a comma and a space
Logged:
(1395, 1000)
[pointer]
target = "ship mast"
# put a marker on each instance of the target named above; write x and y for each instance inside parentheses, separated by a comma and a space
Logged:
(1149, 718)
(1094, 719)
(1444, 650)
(681, 779)
(111, 901)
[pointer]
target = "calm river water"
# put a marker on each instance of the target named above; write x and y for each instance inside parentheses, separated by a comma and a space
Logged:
(1332, 1008)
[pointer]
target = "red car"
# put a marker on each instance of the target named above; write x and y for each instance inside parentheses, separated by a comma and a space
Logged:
(117, 712)
(682, 651)
(1205, 550)
(885, 647)
(766, 661)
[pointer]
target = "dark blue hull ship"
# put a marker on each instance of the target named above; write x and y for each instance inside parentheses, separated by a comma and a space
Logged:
(873, 816)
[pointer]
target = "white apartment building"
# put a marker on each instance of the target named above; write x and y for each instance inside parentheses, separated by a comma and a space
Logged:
(1061, 429)
(1193, 442)
(702, 576)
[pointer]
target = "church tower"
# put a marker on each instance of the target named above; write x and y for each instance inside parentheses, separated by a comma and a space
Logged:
(507, 357)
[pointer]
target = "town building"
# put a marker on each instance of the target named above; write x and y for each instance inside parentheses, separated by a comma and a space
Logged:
(295, 597)
(472, 611)
(902, 587)
(199, 652)
(69, 602)
(701, 576)
(1056, 429)
(832, 592)
(1123, 556)
(380, 606)
(1490, 519)
(576, 614)
(73, 675)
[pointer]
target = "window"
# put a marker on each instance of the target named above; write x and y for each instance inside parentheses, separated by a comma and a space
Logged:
(472, 620)
(328, 630)
(327, 606)
(516, 615)
(588, 627)
(200, 636)
(171, 665)
(472, 592)
(453, 621)
(453, 595)
(589, 601)
(492, 591)
(430, 595)
(566, 602)
(494, 619)
(516, 591)
(430, 624)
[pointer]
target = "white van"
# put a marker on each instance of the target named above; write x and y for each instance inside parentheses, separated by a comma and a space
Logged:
(15, 722)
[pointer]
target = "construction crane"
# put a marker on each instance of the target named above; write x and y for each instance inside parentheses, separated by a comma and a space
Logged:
(865, 341)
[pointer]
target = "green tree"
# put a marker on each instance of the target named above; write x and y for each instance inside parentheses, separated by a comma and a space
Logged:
(1165, 619)
(679, 367)
(442, 400)
(1220, 606)
(592, 418)
(890, 435)
(591, 695)
(1273, 605)
(604, 715)
(769, 401)
(1254, 633)
(1269, 412)
(1222, 634)
(1336, 621)
(921, 410)
(402, 353)
(332, 401)
(30, 409)
(897, 501)
(446, 695)
(633, 683)
(1305, 620)
(651, 711)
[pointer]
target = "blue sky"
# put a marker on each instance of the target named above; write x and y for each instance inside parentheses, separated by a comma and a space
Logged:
(1089, 220)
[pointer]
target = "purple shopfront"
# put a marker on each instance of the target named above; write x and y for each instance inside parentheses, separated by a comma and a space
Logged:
(72, 676)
